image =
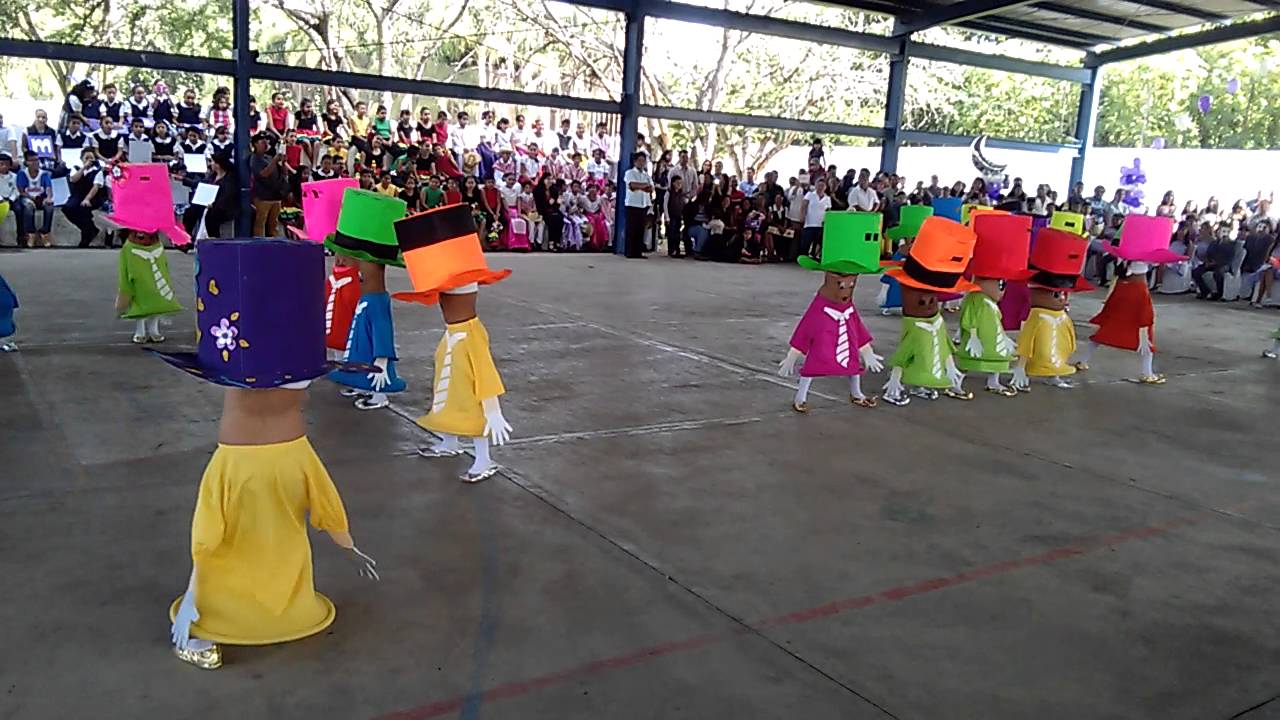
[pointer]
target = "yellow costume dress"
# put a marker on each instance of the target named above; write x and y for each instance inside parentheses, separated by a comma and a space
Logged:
(249, 543)
(465, 376)
(1047, 341)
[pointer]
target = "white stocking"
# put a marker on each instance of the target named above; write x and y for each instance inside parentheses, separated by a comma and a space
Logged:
(993, 382)
(802, 393)
(483, 460)
(1275, 346)
(855, 387)
(448, 443)
(1087, 352)
(140, 328)
(153, 326)
(1147, 357)
(378, 398)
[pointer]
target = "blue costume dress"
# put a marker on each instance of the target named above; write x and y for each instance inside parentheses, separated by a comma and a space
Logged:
(893, 298)
(372, 336)
(8, 303)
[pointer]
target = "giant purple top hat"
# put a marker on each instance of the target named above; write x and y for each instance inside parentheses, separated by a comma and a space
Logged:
(259, 314)
(1145, 238)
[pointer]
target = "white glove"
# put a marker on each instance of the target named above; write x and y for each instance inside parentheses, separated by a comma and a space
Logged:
(787, 368)
(382, 378)
(1020, 380)
(187, 614)
(953, 373)
(974, 346)
(365, 565)
(1005, 345)
(496, 427)
(870, 360)
(894, 388)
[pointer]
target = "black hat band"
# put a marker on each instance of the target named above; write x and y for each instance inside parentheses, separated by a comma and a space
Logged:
(436, 226)
(377, 250)
(925, 276)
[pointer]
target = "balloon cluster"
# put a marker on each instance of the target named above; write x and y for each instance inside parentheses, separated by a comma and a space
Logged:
(1131, 181)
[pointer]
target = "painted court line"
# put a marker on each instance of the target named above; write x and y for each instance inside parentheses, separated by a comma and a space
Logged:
(519, 688)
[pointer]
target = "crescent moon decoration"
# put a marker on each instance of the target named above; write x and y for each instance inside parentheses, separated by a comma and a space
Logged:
(977, 152)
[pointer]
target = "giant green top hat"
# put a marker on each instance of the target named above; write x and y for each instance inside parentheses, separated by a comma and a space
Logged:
(850, 244)
(366, 227)
(910, 218)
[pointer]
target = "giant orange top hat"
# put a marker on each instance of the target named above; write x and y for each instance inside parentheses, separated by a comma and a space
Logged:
(1004, 242)
(1058, 259)
(938, 257)
(442, 252)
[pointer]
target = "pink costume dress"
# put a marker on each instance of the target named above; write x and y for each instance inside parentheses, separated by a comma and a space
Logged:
(599, 223)
(830, 335)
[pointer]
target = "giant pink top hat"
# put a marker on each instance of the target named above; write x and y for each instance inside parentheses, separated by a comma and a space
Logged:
(321, 202)
(143, 201)
(1145, 238)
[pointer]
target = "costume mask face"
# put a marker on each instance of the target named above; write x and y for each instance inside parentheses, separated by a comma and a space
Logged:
(458, 308)
(1049, 299)
(919, 303)
(838, 288)
(992, 288)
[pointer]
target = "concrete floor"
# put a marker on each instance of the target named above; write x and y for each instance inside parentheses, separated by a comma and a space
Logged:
(671, 540)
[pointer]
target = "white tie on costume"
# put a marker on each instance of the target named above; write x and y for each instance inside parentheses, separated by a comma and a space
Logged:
(935, 345)
(842, 333)
(351, 334)
(153, 257)
(441, 392)
(335, 284)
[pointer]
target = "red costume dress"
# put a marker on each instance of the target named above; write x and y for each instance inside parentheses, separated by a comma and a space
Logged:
(341, 293)
(1127, 310)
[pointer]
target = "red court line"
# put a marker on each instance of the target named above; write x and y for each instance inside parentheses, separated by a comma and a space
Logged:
(891, 595)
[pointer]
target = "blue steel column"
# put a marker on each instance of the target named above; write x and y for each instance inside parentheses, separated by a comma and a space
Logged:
(1086, 122)
(893, 109)
(630, 108)
(244, 64)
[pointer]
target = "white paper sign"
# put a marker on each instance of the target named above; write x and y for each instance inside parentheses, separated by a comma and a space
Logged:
(205, 194)
(61, 192)
(196, 164)
(71, 157)
(140, 152)
(181, 193)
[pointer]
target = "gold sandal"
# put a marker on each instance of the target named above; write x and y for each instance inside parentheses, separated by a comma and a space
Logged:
(210, 659)
(801, 408)
(866, 402)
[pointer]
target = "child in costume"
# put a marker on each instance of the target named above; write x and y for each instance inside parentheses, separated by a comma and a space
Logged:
(143, 205)
(1128, 320)
(910, 218)
(446, 265)
(258, 333)
(342, 294)
(831, 336)
(924, 358)
(1048, 337)
(366, 234)
(8, 303)
(999, 255)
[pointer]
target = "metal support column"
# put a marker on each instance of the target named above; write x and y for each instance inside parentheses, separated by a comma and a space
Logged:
(893, 109)
(1086, 123)
(630, 107)
(244, 65)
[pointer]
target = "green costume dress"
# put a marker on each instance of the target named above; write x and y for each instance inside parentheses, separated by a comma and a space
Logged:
(980, 315)
(144, 277)
(922, 352)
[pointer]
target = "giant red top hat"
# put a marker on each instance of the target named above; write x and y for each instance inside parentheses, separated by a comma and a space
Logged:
(1004, 242)
(1057, 261)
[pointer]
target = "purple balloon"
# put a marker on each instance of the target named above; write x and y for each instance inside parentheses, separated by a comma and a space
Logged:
(1205, 103)
(1233, 86)
(1157, 144)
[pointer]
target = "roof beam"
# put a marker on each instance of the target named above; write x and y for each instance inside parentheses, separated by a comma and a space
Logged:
(1115, 20)
(115, 56)
(770, 26)
(951, 14)
(1039, 31)
(1181, 9)
(811, 127)
(997, 62)
(1211, 36)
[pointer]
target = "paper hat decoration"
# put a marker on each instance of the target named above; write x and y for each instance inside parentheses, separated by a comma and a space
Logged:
(1003, 247)
(1069, 221)
(850, 244)
(259, 314)
(366, 227)
(1058, 259)
(442, 252)
(321, 205)
(910, 218)
(938, 258)
(142, 201)
(1145, 238)
(977, 211)
(948, 207)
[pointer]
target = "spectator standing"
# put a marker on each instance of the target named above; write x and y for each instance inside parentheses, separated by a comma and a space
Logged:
(358, 125)
(8, 139)
(1262, 215)
(268, 188)
(863, 197)
(661, 184)
(42, 140)
(564, 135)
(687, 173)
(279, 117)
(601, 141)
(674, 211)
(638, 200)
(1097, 205)
(814, 209)
(749, 186)
(817, 155)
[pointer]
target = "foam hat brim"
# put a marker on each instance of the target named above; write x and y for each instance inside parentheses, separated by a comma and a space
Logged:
(1155, 256)
(362, 255)
(189, 363)
(176, 233)
(842, 267)
(432, 296)
(962, 285)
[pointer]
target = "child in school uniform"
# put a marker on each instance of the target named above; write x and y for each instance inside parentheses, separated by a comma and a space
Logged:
(112, 105)
(138, 107)
(219, 113)
(222, 142)
(137, 137)
(164, 145)
(192, 144)
(162, 105)
(107, 140)
(189, 113)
